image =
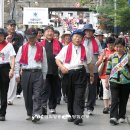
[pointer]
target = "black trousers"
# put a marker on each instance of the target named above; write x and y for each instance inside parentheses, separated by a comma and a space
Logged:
(119, 98)
(99, 88)
(19, 88)
(65, 84)
(76, 91)
(4, 85)
(59, 95)
(32, 85)
(51, 87)
(92, 91)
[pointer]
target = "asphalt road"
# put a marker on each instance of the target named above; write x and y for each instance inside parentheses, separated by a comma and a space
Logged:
(16, 119)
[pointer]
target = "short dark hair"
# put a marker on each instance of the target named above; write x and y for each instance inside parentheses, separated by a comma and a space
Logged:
(31, 32)
(120, 41)
(57, 32)
(39, 29)
(3, 32)
(110, 40)
(114, 35)
(48, 27)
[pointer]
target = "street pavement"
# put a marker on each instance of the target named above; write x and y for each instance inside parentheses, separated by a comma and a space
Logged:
(16, 119)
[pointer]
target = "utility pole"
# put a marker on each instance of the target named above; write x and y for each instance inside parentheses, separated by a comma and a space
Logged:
(115, 20)
(13, 9)
(2, 13)
(29, 3)
(101, 2)
(97, 4)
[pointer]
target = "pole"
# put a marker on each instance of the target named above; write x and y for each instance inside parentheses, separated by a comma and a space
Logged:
(101, 2)
(29, 3)
(2, 13)
(97, 4)
(13, 9)
(115, 20)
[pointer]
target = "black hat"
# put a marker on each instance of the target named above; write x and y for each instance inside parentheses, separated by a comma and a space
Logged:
(31, 32)
(2, 31)
(11, 22)
(48, 27)
(88, 27)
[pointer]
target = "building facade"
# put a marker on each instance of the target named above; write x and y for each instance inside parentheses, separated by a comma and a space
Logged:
(13, 9)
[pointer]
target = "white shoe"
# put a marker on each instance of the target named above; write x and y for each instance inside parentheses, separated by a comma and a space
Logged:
(18, 96)
(10, 102)
(52, 111)
(90, 112)
(36, 118)
(121, 120)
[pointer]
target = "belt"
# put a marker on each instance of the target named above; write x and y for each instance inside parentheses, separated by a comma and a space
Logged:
(32, 70)
(79, 69)
(5, 65)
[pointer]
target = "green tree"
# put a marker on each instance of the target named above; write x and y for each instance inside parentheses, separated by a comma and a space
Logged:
(121, 14)
(83, 2)
(109, 14)
(106, 12)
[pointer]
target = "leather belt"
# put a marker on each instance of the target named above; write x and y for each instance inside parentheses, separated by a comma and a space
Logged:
(32, 70)
(79, 69)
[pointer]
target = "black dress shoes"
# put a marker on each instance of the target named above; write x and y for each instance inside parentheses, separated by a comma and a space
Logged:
(71, 119)
(2, 118)
(44, 111)
(77, 121)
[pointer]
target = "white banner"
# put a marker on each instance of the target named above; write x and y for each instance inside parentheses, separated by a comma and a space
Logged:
(119, 66)
(35, 16)
(1, 13)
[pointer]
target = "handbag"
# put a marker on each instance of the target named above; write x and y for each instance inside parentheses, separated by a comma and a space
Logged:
(100, 68)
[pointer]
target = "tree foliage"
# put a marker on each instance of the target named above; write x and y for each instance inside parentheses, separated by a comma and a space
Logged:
(83, 2)
(108, 12)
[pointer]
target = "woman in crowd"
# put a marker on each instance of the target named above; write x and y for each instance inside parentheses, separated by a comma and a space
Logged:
(7, 61)
(118, 75)
(66, 38)
(104, 58)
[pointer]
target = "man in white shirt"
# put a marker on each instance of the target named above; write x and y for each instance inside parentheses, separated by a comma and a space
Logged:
(72, 60)
(93, 46)
(16, 39)
(32, 58)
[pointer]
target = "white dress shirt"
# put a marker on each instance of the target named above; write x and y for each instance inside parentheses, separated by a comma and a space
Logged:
(75, 61)
(6, 53)
(32, 64)
(89, 49)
